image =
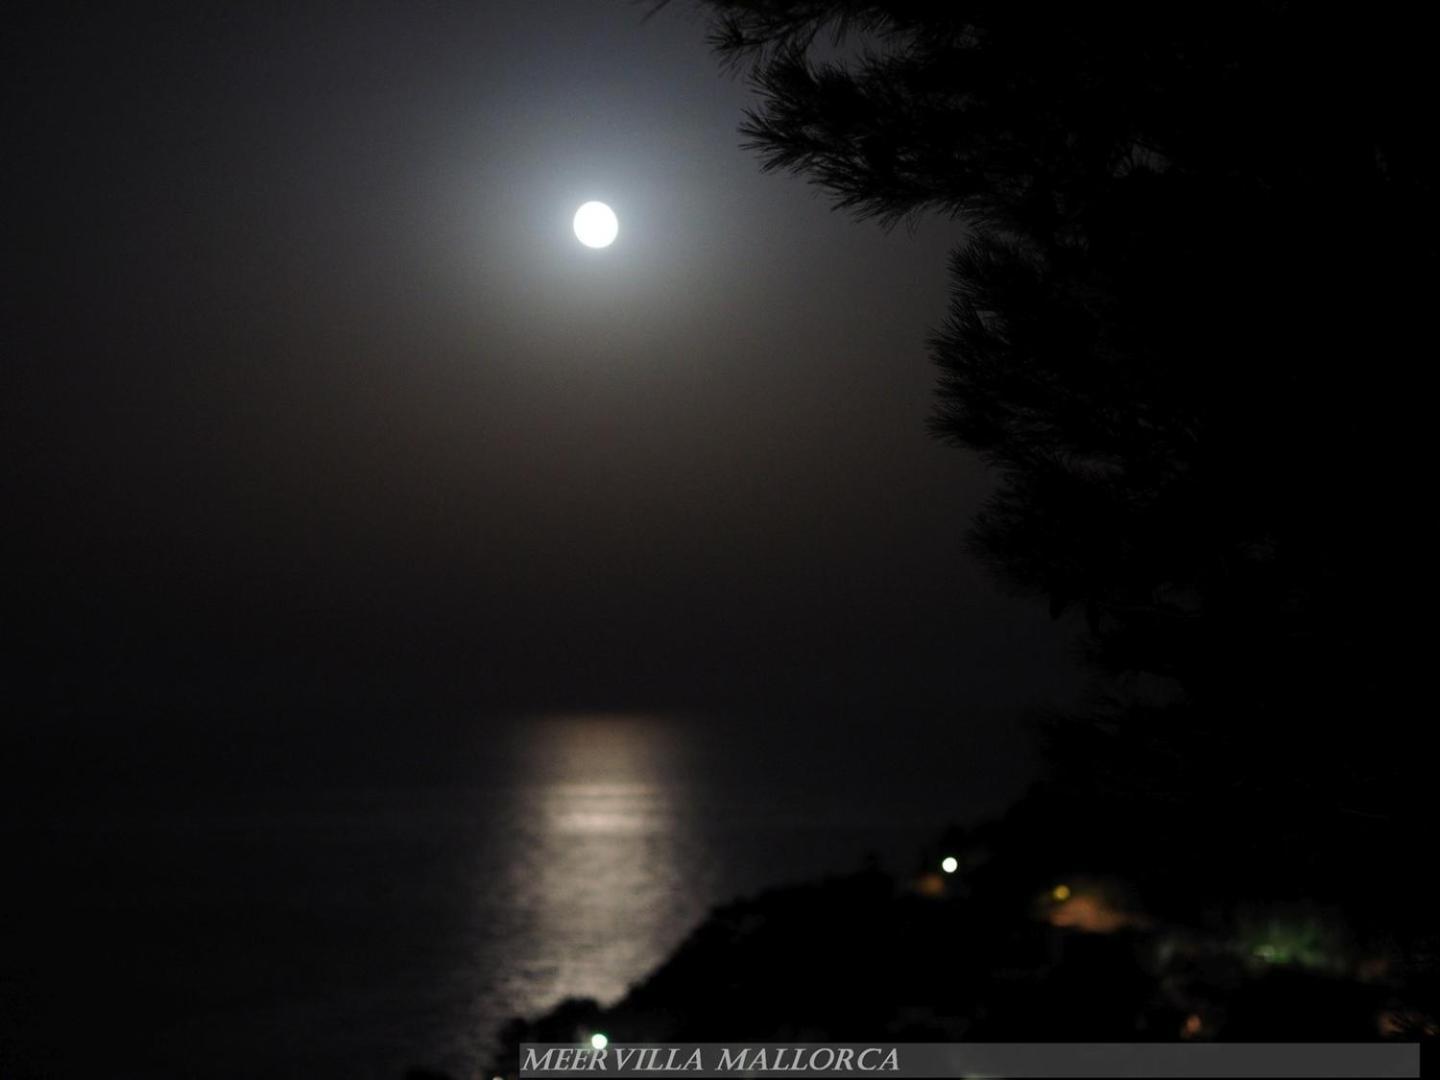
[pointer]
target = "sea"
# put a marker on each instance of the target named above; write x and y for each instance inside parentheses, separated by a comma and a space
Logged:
(357, 923)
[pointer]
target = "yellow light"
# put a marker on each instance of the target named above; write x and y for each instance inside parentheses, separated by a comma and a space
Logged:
(949, 864)
(1060, 893)
(599, 1041)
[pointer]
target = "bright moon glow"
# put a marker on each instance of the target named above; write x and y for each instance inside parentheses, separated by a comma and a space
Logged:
(950, 864)
(596, 225)
(598, 1041)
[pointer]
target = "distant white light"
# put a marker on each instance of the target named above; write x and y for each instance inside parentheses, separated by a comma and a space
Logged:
(598, 1041)
(596, 225)
(949, 864)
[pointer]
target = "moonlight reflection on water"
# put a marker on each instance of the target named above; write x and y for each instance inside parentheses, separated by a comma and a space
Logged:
(607, 838)
(609, 872)
(396, 918)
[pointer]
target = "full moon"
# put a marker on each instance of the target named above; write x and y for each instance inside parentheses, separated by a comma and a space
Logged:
(596, 225)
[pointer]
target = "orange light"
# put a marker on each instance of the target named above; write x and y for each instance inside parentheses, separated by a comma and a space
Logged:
(930, 885)
(1090, 914)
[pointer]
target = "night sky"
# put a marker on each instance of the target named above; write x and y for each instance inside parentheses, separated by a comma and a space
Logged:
(312, 399)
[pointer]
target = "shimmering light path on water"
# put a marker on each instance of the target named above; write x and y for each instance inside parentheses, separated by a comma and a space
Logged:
(357, 930)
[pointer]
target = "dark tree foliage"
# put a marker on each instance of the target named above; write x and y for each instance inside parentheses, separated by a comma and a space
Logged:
(1202, 251)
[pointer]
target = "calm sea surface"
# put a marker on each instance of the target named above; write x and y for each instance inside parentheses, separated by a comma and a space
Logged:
(354, 930)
